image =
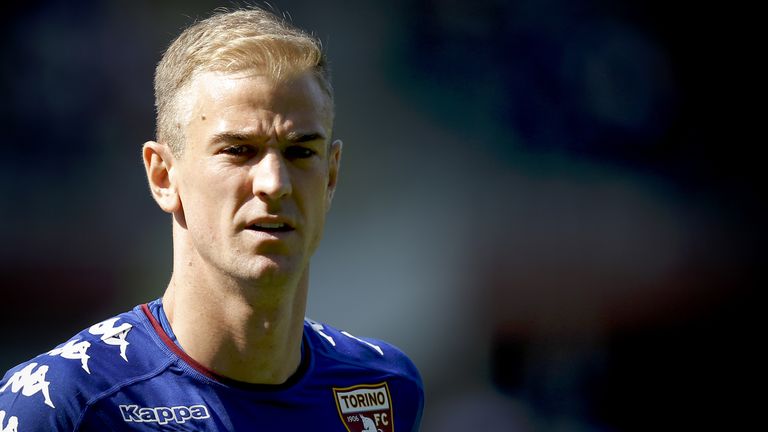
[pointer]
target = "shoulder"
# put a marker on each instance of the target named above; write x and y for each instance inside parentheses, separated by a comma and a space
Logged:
(368, 367)
(51, 390)
(361, 352)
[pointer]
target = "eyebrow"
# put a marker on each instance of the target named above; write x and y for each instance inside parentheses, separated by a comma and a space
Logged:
(297, 137)
(229, 136)
(294, 137)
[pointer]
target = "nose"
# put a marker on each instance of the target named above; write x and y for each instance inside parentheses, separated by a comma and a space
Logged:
(271, 180)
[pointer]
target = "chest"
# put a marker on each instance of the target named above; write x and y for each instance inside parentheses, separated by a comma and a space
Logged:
(359, 405)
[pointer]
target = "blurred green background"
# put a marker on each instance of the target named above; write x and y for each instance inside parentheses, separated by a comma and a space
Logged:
(552, 206)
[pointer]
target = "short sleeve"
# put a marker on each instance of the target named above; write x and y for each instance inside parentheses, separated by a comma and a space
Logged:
(34, 397)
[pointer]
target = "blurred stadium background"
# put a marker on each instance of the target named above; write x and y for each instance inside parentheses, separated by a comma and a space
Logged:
(552, 206)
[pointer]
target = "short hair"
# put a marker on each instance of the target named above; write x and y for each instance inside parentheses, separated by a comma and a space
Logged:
(230, 42)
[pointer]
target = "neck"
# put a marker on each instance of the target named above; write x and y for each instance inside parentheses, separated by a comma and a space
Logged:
(239, 330)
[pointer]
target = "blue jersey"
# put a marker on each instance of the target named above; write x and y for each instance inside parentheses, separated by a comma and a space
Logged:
(128, 373)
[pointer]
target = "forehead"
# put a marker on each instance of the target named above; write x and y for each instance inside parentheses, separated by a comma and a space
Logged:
(225, 101)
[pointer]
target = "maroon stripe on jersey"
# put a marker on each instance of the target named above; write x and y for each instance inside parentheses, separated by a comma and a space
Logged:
(177, 350)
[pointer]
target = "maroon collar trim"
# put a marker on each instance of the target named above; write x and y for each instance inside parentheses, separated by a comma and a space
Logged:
(178, 351)
(296, 377)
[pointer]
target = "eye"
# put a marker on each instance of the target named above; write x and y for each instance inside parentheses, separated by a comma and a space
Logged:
(299, 152)
(238, 150)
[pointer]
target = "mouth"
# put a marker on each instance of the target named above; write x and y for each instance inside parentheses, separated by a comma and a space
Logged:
(270, 227)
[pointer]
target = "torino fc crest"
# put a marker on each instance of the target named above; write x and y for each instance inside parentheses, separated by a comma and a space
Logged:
(365, 408)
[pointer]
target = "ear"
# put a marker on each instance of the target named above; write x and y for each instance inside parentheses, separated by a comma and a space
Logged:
(159, 163)
(334, 162)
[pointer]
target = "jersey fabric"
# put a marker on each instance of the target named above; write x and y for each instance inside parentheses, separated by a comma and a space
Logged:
(129, 373)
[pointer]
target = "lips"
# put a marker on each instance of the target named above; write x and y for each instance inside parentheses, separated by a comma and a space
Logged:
(270, 226)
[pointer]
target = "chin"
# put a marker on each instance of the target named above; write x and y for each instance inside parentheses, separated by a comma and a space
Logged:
(266, 270)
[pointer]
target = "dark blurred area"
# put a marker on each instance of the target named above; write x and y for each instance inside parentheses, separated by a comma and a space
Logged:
(553, 206)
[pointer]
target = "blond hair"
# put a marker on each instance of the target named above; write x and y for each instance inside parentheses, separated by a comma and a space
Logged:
(231, 41)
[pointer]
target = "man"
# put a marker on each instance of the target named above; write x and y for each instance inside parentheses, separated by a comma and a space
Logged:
(245, 164)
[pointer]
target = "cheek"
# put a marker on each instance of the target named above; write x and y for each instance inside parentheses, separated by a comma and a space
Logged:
(314, 191)
(215, 182)
(208, 195)
(316, 207)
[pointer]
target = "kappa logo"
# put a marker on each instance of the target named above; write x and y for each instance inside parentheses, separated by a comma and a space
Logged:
(163, 415)
(112, 335)
(318, 328)
(365, 408)
(30, 381)
(74, 350)
(13, 423)
(373, 347)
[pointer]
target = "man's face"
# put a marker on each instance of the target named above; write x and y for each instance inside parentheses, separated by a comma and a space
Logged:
(256, 175)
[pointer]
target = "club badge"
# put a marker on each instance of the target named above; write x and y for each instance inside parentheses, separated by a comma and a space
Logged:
(365, 407)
